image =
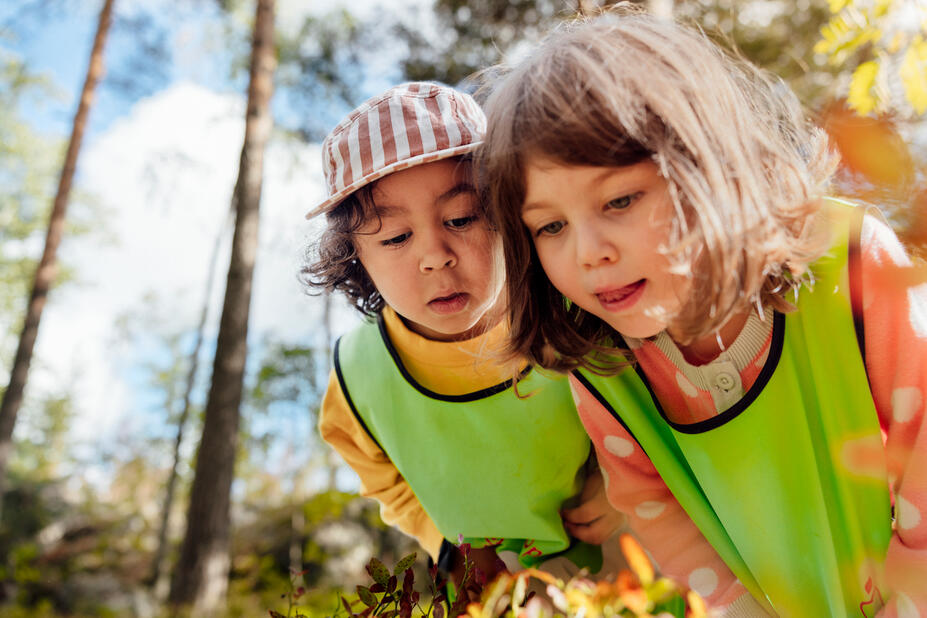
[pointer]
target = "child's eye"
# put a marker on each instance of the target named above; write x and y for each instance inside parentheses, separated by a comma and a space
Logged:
(621, 203)
(550, 229)
(395, 240)
(460, 222)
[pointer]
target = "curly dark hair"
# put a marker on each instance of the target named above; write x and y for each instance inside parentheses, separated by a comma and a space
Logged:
(334, 265)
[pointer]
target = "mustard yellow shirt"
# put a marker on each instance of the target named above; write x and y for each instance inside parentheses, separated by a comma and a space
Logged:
(449, 368)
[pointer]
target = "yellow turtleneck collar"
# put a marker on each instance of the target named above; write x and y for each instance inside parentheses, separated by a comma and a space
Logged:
(450, 367)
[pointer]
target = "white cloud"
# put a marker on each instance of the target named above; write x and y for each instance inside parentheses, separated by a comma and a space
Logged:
(163, 175)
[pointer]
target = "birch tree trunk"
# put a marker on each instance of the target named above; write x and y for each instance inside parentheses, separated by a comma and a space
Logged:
(47, 269)
(201, 576)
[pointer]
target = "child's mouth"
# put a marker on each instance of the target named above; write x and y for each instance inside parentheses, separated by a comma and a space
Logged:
(451, 303)
(623, 297)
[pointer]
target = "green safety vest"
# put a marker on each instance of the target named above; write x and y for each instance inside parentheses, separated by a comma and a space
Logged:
(486, 465)
(776, 483)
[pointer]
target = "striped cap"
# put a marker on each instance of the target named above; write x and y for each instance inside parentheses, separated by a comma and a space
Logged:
(409, 124)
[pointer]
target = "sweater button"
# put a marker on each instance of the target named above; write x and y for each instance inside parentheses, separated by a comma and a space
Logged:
(725, 381)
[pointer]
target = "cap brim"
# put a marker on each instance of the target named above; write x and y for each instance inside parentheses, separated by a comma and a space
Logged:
(421, 159)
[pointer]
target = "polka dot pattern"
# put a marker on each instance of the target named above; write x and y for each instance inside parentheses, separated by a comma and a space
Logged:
(917, 309)
(906, 401)
(905, 606)
(685, 385)
(908, 516)
(618, 446)
(650, 509)
(704, 581)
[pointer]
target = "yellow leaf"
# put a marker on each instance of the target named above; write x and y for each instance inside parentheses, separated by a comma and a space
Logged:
(832, 34)
(860, 96)
(913, 74)
(837, 5)
(882, 7)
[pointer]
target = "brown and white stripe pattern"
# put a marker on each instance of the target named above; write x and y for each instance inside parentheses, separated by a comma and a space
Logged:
(407, 125)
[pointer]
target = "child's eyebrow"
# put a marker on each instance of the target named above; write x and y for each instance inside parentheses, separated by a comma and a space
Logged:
(384, 211)
(459, 188)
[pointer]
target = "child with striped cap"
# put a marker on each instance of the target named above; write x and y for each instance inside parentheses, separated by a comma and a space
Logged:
(419, 403)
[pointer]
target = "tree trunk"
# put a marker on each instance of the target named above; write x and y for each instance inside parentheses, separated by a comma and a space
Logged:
(160, 577)
(47, 269)
(201, 576)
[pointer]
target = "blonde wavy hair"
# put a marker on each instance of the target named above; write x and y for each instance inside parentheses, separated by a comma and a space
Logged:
(743, 165)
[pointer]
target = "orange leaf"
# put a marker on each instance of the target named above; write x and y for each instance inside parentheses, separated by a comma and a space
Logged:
(636, 558)
(869, 146)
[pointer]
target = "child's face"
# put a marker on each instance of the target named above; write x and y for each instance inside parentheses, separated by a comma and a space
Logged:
(598, 232)
(431, 254)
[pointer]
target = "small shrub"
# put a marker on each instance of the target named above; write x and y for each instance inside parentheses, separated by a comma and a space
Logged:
(634, 593)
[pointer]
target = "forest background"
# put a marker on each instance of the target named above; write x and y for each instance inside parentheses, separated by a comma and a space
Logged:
(123, 402)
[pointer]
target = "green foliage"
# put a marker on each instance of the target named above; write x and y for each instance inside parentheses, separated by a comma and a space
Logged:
(42, 444)
(288, 373)
(473, 35)
(28, 171)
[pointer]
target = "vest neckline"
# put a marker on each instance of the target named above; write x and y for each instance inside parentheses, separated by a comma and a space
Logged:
(766, 373)
(472, 396)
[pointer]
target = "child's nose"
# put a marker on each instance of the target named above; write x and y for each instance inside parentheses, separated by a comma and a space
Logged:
(594, 247)
(437, 255)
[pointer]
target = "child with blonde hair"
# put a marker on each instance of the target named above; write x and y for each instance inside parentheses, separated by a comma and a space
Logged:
(748, 357)
(419, 403)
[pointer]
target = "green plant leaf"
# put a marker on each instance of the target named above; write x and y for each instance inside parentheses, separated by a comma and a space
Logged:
(378, 571)
(369, 599)
(405, 563)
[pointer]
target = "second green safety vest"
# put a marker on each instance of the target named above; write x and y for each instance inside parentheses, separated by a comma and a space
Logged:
(790, 484)
(486, 465)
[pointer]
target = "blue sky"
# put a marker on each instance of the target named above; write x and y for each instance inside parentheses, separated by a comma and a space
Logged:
(57, 44)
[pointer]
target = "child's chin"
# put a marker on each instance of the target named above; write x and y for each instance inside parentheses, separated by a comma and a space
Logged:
(638, 329)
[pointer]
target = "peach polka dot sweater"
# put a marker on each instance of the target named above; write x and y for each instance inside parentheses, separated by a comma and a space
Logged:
(894, 299)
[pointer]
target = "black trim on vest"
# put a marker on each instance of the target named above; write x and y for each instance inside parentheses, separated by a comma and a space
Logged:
(769, 368)
(446, 557)
(344, 390)
(855, 271)
(605, 404)
(474, 396)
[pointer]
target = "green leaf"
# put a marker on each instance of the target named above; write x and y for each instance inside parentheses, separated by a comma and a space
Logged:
(378, 571)
(369, 599)
(860, 95)
(405, 563)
